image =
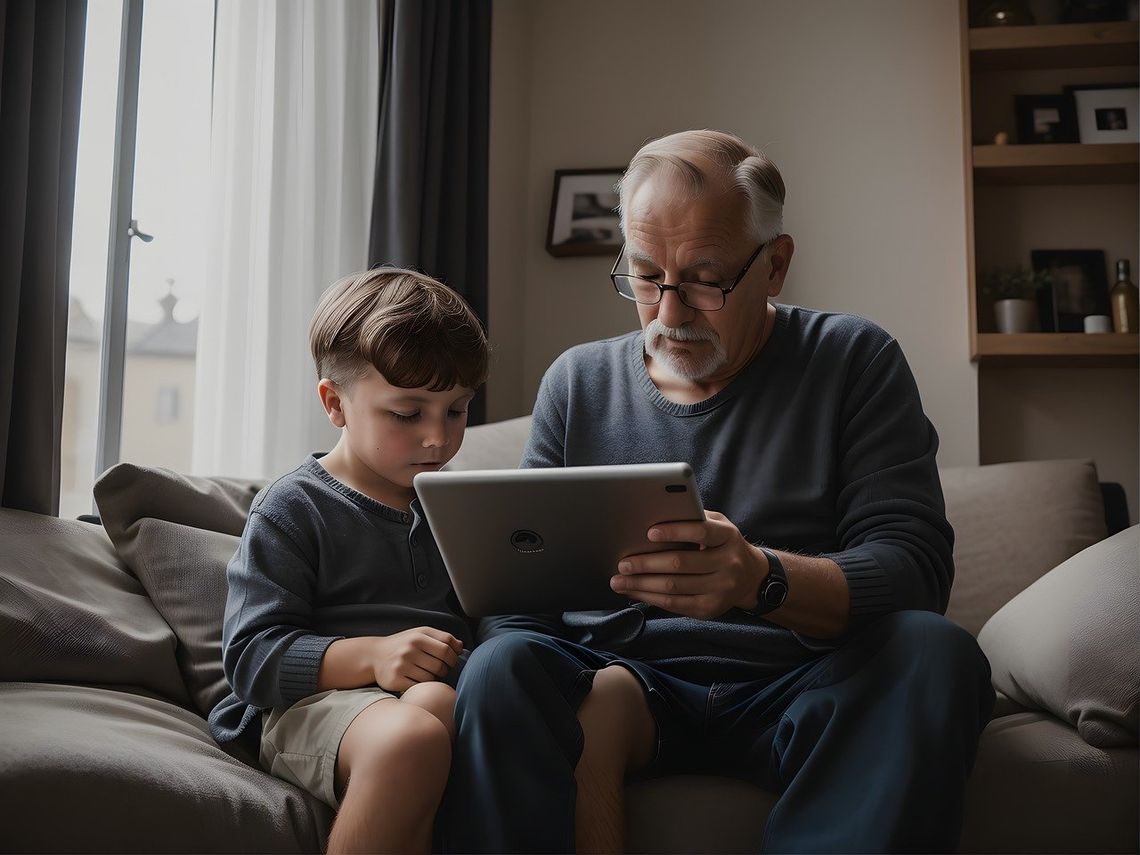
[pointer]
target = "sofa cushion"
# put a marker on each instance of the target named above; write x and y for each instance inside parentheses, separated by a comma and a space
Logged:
(1068, 643)
(1013, 522)
(1038, 787)
(696, 813)
(92, 770)
(498, 445)
(70, 611)
(177, 533)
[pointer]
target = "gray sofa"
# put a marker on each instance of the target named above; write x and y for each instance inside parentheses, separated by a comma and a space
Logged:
(110, 655)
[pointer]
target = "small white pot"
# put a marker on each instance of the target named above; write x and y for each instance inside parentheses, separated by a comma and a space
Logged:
(1016, 316)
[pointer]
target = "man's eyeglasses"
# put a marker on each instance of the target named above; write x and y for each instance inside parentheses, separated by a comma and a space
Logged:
(703, 296)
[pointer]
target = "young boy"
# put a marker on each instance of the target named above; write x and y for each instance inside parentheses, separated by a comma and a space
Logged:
(342, 637)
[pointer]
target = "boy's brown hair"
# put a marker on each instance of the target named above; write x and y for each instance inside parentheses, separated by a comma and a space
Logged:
(415, 331)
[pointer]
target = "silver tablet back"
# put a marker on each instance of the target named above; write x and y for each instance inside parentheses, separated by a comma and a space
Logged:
(529, 541)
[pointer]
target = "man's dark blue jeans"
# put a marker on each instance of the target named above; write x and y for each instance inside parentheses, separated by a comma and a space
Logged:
(868, 746)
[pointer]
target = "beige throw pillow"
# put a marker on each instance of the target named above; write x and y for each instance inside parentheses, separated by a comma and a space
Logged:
(1014, 522)
(1068, 643)
(177, 533)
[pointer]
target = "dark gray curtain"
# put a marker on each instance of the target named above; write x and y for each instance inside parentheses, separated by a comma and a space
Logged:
(429, 209)
(41, 71)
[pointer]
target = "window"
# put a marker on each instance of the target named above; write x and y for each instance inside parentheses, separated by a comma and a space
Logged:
(166, 409)
(163, 151)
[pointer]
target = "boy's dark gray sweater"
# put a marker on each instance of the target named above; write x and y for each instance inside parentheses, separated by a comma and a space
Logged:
(319, 561)
(819, 446)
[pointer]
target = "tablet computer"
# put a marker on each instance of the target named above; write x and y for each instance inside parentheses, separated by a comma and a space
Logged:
(532, 541)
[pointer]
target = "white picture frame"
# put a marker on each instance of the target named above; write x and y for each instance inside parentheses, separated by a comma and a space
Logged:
(1108, 115)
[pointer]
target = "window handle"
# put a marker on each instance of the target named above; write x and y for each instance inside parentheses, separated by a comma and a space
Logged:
(133, 231)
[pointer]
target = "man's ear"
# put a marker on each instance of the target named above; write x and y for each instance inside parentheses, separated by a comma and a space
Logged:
(779, 260)
(331, 399)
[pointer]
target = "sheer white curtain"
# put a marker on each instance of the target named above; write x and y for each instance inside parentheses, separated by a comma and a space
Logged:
(296, 92)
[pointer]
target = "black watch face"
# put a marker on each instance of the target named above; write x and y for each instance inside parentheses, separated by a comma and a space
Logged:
(774, 593)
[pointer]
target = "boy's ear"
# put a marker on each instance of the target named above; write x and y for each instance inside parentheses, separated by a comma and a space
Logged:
(331, 395)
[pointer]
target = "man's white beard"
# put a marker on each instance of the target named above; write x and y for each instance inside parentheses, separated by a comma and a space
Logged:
(692, 366)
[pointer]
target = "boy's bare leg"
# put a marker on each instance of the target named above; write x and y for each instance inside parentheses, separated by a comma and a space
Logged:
(392, 767)
(437, 698)
(619, 735)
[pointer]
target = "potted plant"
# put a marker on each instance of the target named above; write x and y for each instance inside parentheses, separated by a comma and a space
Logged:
(1013, 291)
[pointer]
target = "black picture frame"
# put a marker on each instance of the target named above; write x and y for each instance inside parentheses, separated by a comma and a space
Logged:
(1045, 119)
(1079, 287)
(583, 219)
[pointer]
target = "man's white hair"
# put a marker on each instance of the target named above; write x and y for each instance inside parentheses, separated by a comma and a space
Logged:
(699, 158)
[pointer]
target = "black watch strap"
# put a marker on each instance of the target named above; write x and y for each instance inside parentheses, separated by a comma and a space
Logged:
(773, 590)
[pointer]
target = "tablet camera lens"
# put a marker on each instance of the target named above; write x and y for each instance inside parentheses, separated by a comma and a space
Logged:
(525, 540)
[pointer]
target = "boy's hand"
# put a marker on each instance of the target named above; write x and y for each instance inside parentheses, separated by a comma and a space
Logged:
(413, 656)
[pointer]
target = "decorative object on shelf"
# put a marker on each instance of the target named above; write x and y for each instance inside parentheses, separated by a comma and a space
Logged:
(1092, 11)
(1001, 138)
(583, 219)
(1125, 301)
(1079, 285)
(1014, 291)
(1006, 13)
(1045, 119)
(1106, 113)
(1016, 316)
(1097, 323)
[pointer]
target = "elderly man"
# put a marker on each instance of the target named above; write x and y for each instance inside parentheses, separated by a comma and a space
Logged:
(802, 646)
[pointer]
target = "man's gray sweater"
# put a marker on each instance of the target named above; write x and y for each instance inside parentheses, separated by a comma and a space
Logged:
(819, 446)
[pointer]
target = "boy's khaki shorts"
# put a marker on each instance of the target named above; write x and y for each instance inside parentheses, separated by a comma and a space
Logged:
(299, 743)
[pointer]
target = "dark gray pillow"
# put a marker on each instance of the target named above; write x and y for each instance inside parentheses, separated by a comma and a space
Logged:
(127, 492)
(184, 571)
(71, 613)
(177, 533)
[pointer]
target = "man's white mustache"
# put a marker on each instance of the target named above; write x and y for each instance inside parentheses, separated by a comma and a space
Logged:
(656, 328)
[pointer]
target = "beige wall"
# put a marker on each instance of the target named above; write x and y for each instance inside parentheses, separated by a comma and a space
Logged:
(1035, 414)
(858, 103)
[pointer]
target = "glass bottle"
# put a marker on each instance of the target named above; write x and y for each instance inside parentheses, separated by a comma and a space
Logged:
(1125, 305)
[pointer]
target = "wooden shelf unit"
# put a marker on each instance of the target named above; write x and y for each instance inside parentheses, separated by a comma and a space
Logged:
(1045, 47)
(1054, 46)
(1075, 349)
(1061, 163)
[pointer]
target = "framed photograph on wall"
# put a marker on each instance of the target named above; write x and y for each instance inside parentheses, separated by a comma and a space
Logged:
(1106, 113)
(1079, 285)
(583, 213)
(1045, 119)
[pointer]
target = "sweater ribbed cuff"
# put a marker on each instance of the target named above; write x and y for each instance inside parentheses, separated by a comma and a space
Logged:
(297, 676)
(868, 586)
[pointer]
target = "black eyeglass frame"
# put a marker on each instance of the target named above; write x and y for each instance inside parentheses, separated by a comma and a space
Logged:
(662, 287)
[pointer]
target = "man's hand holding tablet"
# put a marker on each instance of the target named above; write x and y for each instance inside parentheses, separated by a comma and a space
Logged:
(548, 540)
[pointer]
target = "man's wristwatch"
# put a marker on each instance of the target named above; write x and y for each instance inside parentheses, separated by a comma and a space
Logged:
(773, 590)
